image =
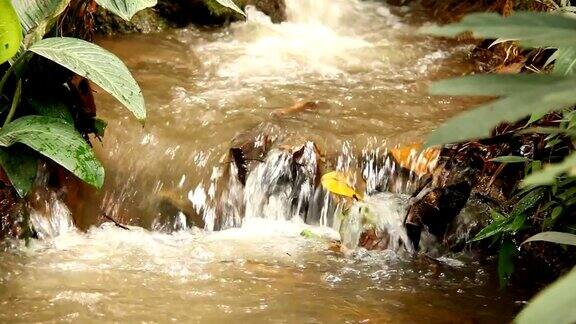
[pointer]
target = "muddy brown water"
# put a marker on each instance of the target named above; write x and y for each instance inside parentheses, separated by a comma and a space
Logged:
(368, 67)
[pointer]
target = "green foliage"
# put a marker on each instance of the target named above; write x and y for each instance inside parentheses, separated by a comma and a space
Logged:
(553, 237)
(126, 8)
(550, 172)
(230, 4)
(33, 13)
(308, 234)
(20, 166)
(52, 132)
(10, 31)
(58, 141)
(505, 261)
(531, 29)
(555, 304)
(98, 65)
(547, 192)
(52, 107)
(520, 96)
(38, 16)
(565, 63)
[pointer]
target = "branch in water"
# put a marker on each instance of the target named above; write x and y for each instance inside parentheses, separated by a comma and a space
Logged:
(115, 222)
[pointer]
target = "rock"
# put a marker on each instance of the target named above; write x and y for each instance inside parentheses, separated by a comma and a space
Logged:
(275, 9)
(182, 13)
(434, 209)
(170, 208)
(10, 220)
(145, 21)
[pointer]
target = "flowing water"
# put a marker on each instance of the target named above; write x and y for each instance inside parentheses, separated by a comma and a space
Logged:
(274, 258)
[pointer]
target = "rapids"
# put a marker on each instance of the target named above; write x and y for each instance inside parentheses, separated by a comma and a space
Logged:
(272, 262)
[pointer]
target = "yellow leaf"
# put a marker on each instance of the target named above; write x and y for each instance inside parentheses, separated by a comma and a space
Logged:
(338, 183)
(410, 157)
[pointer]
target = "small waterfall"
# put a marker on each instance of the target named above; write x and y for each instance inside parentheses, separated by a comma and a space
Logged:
(344, 53)
(53, 220)
(285, 186)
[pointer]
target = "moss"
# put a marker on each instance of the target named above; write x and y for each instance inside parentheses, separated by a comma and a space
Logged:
(145, 21)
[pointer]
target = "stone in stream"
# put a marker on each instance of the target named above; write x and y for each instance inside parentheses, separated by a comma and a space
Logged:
(168, 14)
(434, 209)
(174, 213)
(11, 209)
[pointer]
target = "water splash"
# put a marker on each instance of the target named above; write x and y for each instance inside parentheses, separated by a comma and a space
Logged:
(53, 220)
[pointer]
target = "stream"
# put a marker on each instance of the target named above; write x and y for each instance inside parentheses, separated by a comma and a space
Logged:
(367, 70)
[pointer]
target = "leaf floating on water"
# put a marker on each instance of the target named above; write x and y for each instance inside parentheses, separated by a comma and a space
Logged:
(337, 183)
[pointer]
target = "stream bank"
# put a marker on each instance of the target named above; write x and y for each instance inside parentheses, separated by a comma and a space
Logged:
(497, 183)
(215, 90)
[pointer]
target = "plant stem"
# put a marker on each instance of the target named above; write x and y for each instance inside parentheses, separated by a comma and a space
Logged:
(15, 102)
(21, 59)
(6, 76)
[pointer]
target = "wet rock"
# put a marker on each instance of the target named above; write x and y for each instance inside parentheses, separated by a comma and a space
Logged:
(177, 14)
(371, 239)
(275, 9)
(434, 208)
(265, 174)
(10, 217)
(175, 213)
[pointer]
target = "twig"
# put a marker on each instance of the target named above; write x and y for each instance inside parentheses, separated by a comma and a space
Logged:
(115, 222)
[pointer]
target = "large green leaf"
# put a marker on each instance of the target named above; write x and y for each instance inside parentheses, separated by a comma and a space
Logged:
(96, 64)
(549, 173)
(126, 8)
(33, 12)
(38, 16)
(522, 95)
(553, 237)
(535, 29)
(10, 31)
(555, 304)
(20, 166)
(51, 107)
(565, 62)
(230, 4)
(58, 141)
(492, 84)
